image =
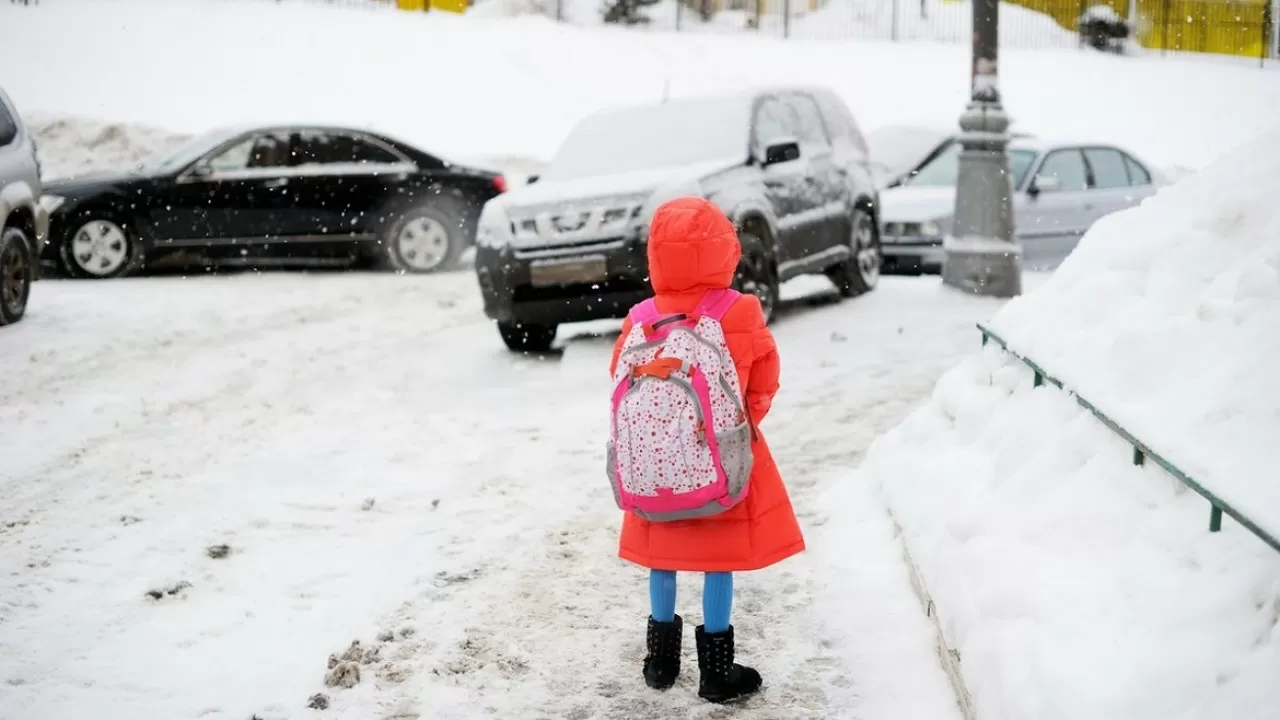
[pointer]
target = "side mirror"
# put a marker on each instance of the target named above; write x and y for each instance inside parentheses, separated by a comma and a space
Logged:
(1043, 184)
(532, 179)
(200, 171)
(781, 151)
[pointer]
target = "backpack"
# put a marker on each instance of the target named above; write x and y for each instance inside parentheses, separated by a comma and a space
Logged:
(680, 437)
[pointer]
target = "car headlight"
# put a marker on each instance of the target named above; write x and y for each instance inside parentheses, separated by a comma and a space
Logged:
(930, 229)
(51, 202)
(494, 227)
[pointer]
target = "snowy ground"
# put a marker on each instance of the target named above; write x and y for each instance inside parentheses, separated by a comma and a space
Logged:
(147, 420)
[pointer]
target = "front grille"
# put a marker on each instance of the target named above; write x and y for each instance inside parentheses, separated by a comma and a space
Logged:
(576, 220)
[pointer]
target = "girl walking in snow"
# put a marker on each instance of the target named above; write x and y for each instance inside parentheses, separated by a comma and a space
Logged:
(695, 372)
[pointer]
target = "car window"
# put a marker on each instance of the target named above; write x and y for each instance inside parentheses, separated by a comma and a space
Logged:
(1068, 167)
(311, 147)
(1138, 175)
(259, 150)
(944, 169)
(1108, 168)
(8, 126)
(773, 120)
(811, 130)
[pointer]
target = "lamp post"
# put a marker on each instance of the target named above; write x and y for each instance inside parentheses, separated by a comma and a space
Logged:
(981, 256)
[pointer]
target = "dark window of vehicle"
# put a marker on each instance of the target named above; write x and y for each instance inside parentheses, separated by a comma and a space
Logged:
(1138, 175)
(1068, 167)
(330, 148)
(774, 120)
(260, 150)
(1108, 168)
(810, 127)
(8, 126)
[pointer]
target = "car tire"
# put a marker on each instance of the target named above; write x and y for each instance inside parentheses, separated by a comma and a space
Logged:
(860, 273)
(17, 271)
(757, 274)
(100, 248)
(426, 238)
(523, 337)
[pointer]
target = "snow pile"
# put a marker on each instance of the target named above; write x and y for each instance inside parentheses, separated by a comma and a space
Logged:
(519, 85)
(75, 146)
(1171, 315)
(1074, 584)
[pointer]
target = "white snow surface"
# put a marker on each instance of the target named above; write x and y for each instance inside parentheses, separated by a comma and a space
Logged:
(1074, 584)
(376, 460)
(514, 87)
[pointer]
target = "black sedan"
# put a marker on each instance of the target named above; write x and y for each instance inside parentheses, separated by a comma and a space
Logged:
(278, 195)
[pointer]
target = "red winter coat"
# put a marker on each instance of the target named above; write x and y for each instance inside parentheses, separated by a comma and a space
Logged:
(693, 248)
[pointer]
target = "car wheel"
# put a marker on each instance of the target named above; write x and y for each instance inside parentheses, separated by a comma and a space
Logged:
(16, 274)
(424, 239)
(99, 249)
(527, 338)
(757, 274)
(861, 271)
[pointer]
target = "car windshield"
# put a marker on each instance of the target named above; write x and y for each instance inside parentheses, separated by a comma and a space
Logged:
(943, 169)
(192, 150)
(680, 132)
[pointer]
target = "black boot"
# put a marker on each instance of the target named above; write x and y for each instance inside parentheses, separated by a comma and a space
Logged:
(662, 663)
(722, 679)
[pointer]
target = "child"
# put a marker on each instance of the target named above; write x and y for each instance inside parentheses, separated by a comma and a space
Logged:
(693, 248)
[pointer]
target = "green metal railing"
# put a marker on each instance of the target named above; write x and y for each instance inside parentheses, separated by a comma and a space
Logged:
(1141, 451)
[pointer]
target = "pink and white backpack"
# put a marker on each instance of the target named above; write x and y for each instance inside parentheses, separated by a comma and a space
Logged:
(680, 437)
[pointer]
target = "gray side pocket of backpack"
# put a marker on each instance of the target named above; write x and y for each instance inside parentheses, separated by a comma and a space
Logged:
(736, 457)
(611, 470)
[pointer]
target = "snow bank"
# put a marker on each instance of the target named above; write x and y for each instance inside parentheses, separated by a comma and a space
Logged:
(76, 146)
(1170, 317)
(1075, 585)
(470, 87)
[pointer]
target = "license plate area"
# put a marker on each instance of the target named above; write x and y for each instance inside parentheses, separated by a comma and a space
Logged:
(571, 271)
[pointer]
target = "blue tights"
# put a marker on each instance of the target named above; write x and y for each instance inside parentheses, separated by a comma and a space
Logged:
(717, 598)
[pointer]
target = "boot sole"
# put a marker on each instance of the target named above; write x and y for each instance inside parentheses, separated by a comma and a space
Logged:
(731, 700)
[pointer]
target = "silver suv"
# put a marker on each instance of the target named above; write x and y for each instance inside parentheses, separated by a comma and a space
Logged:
(23, 222)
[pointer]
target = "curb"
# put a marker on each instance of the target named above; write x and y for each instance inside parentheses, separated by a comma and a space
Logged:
(947, 657)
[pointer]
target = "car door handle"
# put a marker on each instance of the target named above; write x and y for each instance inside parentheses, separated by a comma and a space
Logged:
(275, 182)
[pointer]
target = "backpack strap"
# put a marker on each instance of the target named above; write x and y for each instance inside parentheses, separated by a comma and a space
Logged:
(715, 303)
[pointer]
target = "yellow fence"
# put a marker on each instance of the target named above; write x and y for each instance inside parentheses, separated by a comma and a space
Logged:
(454, 6)
(1231, 27)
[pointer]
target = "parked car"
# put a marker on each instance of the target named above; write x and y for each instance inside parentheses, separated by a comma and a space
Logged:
(1059, 190)
(278, 195)
(24, 221)
(899, 151)
(788, 165)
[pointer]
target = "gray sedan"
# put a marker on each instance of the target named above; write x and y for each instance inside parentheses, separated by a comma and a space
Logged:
(1059, 190)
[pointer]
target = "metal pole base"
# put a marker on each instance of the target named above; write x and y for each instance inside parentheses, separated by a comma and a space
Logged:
(982, 256)
(979, 267)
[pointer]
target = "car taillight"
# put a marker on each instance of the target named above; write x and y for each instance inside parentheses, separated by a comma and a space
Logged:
(499, 183)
